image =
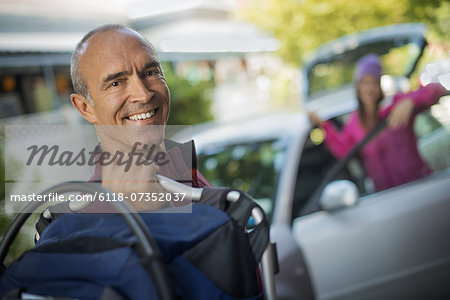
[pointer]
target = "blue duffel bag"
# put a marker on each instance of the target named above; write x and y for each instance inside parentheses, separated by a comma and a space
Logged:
(205, 254)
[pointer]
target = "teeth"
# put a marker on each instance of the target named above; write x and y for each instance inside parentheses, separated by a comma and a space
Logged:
(142, 116)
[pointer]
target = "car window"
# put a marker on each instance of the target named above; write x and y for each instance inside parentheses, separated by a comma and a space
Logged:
(315, 163)
(251, 167)
(432, 129)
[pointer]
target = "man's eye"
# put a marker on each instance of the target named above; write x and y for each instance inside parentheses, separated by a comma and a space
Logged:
(115, 83)
(152, 73)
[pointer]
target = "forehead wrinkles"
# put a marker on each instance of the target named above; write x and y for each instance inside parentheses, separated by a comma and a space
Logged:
(113, 52)
(114, 43)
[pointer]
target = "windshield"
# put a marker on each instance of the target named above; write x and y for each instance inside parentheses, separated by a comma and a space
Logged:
(251, 167)
(333, 64)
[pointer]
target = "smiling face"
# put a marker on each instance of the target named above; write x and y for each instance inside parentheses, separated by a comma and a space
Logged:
(125, 81)
(126, 86)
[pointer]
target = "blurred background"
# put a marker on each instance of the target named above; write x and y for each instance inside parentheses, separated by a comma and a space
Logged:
(218, 54)
(224, 60)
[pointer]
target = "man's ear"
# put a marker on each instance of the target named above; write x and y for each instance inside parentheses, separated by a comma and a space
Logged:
(84, 107)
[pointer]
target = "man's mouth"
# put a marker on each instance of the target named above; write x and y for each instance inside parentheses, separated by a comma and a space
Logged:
(142, 116)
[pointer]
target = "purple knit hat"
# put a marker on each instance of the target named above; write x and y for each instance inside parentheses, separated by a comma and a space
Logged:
(368, 65)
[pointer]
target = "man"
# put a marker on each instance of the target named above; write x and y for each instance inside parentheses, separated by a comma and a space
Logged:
(120, 88)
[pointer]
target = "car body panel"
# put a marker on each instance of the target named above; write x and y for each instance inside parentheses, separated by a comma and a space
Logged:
(390, 236)
(293, 281)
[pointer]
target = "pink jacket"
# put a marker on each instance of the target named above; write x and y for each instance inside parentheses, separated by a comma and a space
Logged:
(392, 157)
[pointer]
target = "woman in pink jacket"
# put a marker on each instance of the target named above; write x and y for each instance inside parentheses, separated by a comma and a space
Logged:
(392, 157)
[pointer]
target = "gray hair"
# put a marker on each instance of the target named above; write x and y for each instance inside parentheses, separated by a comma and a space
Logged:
(79, 84)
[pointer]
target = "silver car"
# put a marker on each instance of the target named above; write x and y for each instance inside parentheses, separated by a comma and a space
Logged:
(336, 237)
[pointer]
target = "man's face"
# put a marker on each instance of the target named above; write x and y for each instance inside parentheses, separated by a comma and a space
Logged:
(125, 81)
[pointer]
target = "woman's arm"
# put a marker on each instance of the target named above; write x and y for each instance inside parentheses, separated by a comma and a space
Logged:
(405, 105)
(338, 142)
(426, 96)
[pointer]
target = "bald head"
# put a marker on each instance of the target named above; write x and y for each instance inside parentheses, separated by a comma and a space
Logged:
(79, 83)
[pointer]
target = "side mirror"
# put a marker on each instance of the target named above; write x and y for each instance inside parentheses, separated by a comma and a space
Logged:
(339, 194)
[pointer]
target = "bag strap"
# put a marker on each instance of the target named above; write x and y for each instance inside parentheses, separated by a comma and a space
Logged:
(240, 211)
(50, 214)
(239, 207)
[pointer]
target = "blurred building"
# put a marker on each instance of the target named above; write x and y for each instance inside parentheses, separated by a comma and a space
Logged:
(37, 38)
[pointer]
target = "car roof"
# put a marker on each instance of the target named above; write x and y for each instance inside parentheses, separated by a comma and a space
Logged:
(348, 49)
(351, 47)
(371, 36)
(274, 126)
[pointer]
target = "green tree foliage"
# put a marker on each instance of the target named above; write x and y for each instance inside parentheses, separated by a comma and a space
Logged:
(440, 25)
(4, 220)
(302, 25)
(191, 99)
(24, 240)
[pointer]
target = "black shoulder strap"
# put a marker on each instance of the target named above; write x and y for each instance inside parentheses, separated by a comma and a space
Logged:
(50, 214)
(240, 211)
(187, 151)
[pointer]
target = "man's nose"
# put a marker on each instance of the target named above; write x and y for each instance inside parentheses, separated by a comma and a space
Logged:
(139, 91)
